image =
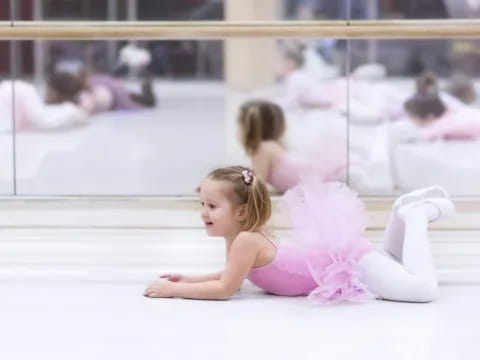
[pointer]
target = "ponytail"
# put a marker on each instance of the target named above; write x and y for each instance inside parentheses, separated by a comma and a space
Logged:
(260, 121)
(259, 205)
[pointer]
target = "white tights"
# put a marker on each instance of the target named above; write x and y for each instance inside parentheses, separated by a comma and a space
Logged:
(404, 271)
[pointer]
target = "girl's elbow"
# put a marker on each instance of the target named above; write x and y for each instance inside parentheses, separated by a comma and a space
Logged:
(227, 292)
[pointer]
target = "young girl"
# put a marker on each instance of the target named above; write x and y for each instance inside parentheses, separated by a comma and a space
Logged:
(97, 92)
(21, 101)
(433, 119)
(301, 88)
(363, 99)
(262, 126)
(330, 261)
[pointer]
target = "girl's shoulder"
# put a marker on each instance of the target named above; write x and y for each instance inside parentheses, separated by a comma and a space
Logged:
(247, 242)
(256, 237)
(251, 237)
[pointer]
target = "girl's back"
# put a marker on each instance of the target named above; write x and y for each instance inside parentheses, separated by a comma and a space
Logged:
(286, 274)
(284, 170)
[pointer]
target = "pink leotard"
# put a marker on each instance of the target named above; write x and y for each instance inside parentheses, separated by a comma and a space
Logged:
(463, 124)
(277, 279)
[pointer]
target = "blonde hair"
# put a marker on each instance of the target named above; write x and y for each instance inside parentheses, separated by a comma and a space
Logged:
(260, 121)
(248, 189)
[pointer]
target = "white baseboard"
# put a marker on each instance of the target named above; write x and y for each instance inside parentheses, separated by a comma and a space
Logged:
(132, 240)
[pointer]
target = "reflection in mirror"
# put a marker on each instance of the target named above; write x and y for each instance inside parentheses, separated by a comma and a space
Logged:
(316, 9)
(150, 122)
(414, 9)
(118, 10)
(5, 12)
(286, 109)
(153, 120)
(422, 124)
(6, 120)
(179, 10)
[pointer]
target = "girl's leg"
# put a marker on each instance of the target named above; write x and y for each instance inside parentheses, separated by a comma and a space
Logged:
(146, 97)
(414, 278)
(393, 242)
(394, 236)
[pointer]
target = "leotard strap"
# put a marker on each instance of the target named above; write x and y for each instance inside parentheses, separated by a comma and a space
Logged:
(274, 243)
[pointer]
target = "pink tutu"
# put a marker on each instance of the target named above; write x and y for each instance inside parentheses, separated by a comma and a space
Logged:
(329, 222)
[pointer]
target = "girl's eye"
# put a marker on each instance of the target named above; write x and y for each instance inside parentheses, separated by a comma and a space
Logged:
(212, 206)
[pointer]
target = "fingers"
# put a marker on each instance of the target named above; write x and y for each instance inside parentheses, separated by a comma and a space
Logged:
(149, 292)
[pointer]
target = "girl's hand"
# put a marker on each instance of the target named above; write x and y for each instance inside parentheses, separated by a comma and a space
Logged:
(173, 277)
(159, 289)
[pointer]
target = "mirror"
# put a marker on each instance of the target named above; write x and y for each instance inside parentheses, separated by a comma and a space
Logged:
(179, 10)
(119, 117)
(6, 121)
(286, 108)
(414, 9)
(414, 116)
(162, 114)
(126, 127)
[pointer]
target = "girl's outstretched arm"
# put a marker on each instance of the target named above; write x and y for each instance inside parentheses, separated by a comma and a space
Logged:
(240, 260)
(192, 278)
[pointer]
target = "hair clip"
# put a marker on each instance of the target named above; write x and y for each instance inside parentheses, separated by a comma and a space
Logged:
(247, 177)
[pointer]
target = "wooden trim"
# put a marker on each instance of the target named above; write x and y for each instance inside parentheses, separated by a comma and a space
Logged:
(24, 30)
(373, 203)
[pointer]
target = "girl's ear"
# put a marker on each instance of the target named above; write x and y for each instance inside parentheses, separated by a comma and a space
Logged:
(242, 213)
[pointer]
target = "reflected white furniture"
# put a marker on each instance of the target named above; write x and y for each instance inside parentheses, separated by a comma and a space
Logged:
(454, 164)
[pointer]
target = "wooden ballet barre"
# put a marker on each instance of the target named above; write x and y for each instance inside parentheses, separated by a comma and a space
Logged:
(387, 29)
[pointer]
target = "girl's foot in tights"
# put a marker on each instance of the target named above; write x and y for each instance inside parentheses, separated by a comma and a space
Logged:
(435, 208)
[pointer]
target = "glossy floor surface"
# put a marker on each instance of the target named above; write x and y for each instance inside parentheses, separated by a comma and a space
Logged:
(93, 320)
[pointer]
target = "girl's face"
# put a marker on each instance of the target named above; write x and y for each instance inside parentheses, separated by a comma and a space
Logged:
(219, 213)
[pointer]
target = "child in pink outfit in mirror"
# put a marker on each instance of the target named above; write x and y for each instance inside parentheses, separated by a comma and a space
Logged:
(331, 261)
(262, 127)
(301, 89)
(97, 93)
(433, 119)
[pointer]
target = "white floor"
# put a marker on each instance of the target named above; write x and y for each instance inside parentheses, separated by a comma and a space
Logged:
(74, 320)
